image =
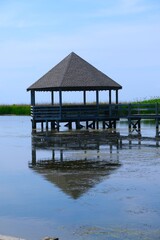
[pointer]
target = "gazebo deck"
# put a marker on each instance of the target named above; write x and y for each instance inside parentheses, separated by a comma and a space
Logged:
(74, 112)
(91, 112)
(91, 115)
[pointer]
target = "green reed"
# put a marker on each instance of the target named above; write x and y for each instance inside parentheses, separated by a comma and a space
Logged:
(15, 109)
(149, 101)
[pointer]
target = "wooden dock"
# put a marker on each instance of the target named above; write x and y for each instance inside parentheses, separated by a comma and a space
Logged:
(94, 116)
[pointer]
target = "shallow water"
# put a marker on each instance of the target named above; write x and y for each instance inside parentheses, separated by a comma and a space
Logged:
(99, 202)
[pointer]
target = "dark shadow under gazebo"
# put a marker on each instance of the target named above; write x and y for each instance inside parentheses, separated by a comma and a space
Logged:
(74, 74)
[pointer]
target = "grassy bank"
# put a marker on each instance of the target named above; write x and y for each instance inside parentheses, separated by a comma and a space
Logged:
(149, 101)
(15, 109)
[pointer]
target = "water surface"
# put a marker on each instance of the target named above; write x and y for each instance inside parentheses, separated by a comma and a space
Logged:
(97, 202)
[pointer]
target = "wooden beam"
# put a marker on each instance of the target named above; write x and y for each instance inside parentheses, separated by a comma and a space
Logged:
(60, 101)
(110, 97)
(116, 96)
(84, 97)
(32, 97)
(97, 97)
(52, 97)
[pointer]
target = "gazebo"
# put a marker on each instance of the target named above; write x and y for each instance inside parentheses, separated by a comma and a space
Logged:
(74, 74)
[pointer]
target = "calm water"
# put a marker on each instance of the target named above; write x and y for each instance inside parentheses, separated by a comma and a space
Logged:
(99, 202)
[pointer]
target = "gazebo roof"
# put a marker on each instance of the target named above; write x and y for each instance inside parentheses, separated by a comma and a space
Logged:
(74, 74)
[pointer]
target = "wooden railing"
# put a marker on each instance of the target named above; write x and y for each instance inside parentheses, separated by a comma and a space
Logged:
(94, 112)
(139, 110)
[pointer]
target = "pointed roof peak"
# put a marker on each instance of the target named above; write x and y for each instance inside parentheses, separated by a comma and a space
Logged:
(73, 53)
(74, 74)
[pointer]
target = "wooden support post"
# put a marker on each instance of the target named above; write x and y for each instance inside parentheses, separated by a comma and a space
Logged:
(97, 124)
(139, 126)
(116, 96)
(84, 97)
(157, 128)
(92, 125)
(46, 125)
(134, 125)
(32, 97)
(60, 103)
(110, 97)
(52, 97)
(42, 126)
(104, 125)
(97, 103)
(58, 126)
(87, 124)
(78, 125)
(32, 104)
(33, 124)
(52, 125)
(129, 126)
(110, 124)
(69, 125)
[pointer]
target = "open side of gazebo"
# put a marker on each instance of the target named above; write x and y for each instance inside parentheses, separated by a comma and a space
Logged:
(74, 74)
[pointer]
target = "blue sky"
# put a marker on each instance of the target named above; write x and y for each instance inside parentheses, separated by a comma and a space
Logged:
(119, 37)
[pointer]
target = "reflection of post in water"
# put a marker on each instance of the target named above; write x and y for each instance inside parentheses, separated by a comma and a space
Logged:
(76, 162)
(62, 155)
(65, 147)
(33, 155)
(132, 141)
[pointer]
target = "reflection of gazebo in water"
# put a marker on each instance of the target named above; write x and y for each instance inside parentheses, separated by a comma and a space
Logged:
(75, 183)
(75, 166)
(73, 74)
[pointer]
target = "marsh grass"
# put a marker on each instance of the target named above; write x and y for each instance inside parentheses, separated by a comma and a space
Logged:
(15, 109)
(149, 101)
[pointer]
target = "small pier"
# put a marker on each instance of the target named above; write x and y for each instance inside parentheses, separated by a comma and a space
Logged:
(92, 117)
(75, 116)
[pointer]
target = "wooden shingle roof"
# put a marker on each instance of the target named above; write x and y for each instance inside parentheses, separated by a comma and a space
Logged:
(74, 74)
